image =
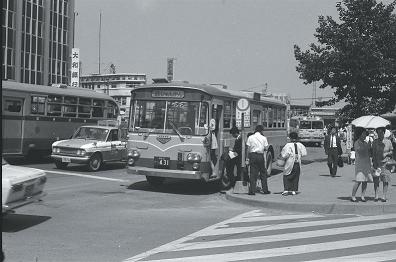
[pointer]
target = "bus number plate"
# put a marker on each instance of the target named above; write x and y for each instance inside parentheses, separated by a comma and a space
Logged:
(161, 162)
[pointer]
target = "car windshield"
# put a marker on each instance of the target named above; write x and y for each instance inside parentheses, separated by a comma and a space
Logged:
(171, 117)
(93, 133)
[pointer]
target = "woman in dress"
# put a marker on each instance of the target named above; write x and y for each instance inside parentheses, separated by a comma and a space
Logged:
(362, 165)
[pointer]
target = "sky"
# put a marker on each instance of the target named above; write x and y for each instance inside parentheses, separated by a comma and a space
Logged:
(240, 43)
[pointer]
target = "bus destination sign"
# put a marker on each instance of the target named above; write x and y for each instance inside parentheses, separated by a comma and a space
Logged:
(168, 93)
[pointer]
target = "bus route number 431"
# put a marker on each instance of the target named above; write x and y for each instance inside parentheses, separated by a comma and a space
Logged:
(161, 162)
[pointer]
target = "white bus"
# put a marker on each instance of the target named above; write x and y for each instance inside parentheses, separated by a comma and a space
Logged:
(34, 116)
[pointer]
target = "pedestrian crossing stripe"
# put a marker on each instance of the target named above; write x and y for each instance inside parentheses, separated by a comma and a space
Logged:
(183, 246)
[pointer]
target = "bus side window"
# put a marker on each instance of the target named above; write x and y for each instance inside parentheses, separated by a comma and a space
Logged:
(38, 105)
(227, 114)
(14, 106)
(97, 110)
(70, 106)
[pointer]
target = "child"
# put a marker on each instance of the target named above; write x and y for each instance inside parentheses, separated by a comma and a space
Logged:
(351, 156)
(292, 153)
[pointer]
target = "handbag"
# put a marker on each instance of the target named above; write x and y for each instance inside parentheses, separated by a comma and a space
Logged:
(340, 162)
(281, 162)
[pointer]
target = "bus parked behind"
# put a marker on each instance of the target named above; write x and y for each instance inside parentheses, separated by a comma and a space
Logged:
(169, 134)
(34, 116)
(310, 129)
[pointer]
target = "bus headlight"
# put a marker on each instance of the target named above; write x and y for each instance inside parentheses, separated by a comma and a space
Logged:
(81, 152)
(195, 166)
(131, 161)
(194, 157)
(134, 154)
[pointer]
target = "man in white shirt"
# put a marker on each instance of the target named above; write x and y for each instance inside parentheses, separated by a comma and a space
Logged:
(257, 145)
(332, 147)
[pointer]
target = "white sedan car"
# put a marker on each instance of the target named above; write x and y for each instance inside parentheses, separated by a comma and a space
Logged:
(20, 185)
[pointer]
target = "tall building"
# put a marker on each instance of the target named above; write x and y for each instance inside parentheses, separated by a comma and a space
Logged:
(37, 38)
(117, 85)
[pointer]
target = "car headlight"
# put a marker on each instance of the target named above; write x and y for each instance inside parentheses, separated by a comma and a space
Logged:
(56, 150)
(194, 157)
(81, 152)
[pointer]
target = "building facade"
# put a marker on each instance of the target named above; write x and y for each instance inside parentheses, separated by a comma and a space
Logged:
(37, 38)
(118, 86)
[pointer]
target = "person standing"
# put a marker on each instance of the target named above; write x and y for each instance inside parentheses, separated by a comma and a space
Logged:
(333, 150)
(382, 151)
(236, 152)
(362, 165)
(292, 153)
(257, 145)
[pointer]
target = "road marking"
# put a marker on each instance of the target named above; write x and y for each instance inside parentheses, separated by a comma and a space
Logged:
(186, 250)
(286, 251)
(249, 229)
(87, 176)
(369, 257)
(281, 237)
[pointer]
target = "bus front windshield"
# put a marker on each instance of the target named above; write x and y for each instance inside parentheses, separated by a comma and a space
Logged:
(305, 124)
(317, 125)
(171, 117)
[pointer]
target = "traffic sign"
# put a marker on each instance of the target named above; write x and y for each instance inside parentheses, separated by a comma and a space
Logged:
(243, 107)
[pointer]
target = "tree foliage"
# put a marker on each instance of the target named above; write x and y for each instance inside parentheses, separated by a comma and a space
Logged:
(356, 56)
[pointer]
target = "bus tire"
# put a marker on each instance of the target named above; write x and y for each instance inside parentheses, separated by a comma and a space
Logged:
(225, 180)
(269, 163)
(155, 181)
(95, 162)
(60, 164)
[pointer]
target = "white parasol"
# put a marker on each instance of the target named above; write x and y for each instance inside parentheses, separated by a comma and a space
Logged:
(370, 122)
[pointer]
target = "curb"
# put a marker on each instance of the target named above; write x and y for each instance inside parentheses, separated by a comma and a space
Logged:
(323, 208)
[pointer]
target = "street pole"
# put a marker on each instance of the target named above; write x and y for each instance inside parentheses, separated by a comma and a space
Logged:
(100, 30)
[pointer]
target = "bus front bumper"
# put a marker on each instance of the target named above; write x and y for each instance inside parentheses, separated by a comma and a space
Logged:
(184, 174)
(311, 140)
(71, 159)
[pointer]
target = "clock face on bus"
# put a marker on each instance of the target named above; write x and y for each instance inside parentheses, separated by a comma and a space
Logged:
(243, 104)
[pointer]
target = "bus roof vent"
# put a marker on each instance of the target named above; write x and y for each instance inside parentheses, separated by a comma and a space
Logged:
(160, 80)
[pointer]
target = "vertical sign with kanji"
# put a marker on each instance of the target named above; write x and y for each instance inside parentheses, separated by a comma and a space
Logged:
(75, 67)
(170, 69)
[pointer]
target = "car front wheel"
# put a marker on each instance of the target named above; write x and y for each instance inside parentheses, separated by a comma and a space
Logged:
(95, 162)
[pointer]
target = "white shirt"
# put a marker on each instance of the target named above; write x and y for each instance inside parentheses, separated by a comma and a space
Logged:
(333, 141)
(257, 143)
(290, 156)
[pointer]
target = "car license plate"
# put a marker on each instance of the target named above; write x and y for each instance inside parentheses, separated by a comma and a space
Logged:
(161, 162)
(66, 159)
(29, 190)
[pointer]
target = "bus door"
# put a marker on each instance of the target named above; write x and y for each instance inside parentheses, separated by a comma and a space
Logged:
(217, 114)
(12, 122)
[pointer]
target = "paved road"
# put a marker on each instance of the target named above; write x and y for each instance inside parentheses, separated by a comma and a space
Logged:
(111, 216)
(257, 236)
(108, 216)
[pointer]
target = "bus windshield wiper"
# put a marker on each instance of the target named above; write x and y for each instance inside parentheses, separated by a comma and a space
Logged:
(174, 127)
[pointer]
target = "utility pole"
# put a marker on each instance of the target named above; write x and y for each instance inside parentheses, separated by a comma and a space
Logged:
(100, 31)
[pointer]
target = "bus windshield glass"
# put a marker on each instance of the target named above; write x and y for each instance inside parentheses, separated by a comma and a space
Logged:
(317, 125)
(305, 124)
(92, 133)
(171, 117)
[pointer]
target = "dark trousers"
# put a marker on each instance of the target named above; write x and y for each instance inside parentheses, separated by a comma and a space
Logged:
(236, 161)
(257, 167)
(290, 182)
(332, 159)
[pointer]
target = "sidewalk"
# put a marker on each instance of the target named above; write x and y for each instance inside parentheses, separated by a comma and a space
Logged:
(321, 193)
